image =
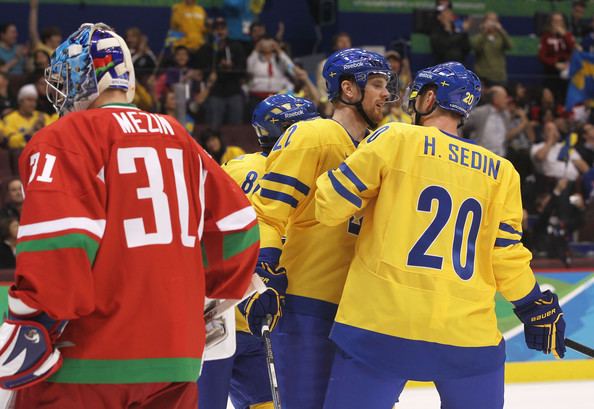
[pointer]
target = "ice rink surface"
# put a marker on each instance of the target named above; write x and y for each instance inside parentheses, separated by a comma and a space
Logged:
(546, 395)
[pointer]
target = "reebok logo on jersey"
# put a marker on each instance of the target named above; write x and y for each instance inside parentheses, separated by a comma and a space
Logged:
(33, 336)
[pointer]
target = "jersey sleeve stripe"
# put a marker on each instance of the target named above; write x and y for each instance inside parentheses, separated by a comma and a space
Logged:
(282, 197)
(508, 229)
(343, 191)
(67, 241)
(235, 243)
(237, 220)
(348, 172)
(287, 180)
(505, 242)
(95, 227)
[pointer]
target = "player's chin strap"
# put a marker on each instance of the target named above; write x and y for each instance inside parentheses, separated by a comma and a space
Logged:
(419, 114)
(359, 106)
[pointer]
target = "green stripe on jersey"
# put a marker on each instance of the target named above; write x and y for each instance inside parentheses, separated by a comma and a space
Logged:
(204, 256)
(110, 371)
(235, 243)
(67, 241)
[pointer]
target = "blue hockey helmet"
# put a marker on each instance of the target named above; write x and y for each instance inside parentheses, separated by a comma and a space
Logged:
(91, 60)
(458, 89)
(276, 113)
(358, 64)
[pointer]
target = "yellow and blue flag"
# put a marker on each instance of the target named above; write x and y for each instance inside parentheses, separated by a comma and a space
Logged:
(581, 79)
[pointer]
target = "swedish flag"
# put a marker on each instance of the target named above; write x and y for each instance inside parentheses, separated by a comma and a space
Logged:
(581, 75)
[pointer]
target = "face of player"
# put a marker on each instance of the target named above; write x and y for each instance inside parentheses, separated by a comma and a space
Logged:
(376, 94)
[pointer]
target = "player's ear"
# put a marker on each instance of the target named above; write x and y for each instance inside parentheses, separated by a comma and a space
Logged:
(347, 88)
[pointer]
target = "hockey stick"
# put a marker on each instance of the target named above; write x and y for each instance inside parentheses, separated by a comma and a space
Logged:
(579, 347)
(270, 361)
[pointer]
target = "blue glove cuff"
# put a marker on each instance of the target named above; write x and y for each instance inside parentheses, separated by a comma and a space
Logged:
(532, 296)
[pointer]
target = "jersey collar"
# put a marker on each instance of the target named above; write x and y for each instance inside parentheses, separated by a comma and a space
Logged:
(120, 105)
(457, 137)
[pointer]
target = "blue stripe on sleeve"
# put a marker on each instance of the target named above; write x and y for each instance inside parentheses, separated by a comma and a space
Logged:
(344, 168)
(341, 190)
(287, 180)
(282, 197)
(505, 242)
(509, 229)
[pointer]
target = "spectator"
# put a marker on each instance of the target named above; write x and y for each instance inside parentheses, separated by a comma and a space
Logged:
(214, 145)
(43, 104)
(546, 111)
(143, 57)
(552, 158)
(169, 106)
(520, 96)
(340, 41)
(7, 101)
(585, 147)
(489, 124)
(556, 46)
(257, 32)
(240, 14)
(490, 46)
(588, 39)
(400, 66)
(190, 19)
(51, 36)
(520, 137)
(303, 87)
(13, 199)
(577, 25)
(449, 42)
(560, 213)
(22, 124)
(12, 55)
(269, 69)
(226, 61)
(8, 237)
(39, 61)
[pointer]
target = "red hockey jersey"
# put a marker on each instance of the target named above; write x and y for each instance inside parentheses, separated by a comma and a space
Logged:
(122, 210)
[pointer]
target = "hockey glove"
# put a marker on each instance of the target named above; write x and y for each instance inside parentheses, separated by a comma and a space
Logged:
(27, 352)
(544, 326)
(258, 306)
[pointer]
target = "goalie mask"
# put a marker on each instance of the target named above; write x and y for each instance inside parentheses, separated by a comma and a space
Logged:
(91, 60)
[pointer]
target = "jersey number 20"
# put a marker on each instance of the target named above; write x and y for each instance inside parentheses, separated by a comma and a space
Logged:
(418, 257)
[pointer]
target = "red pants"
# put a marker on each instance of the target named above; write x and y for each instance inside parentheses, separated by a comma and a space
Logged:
(48, 395)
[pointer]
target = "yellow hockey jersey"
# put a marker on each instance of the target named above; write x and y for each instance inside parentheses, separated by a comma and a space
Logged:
(442, 230)
(246, 170)
(315, 256)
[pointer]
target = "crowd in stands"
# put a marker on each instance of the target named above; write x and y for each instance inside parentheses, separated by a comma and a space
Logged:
(212, 72)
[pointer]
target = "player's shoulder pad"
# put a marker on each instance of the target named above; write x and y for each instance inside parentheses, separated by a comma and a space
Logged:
(391, 130)
(308, 134)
